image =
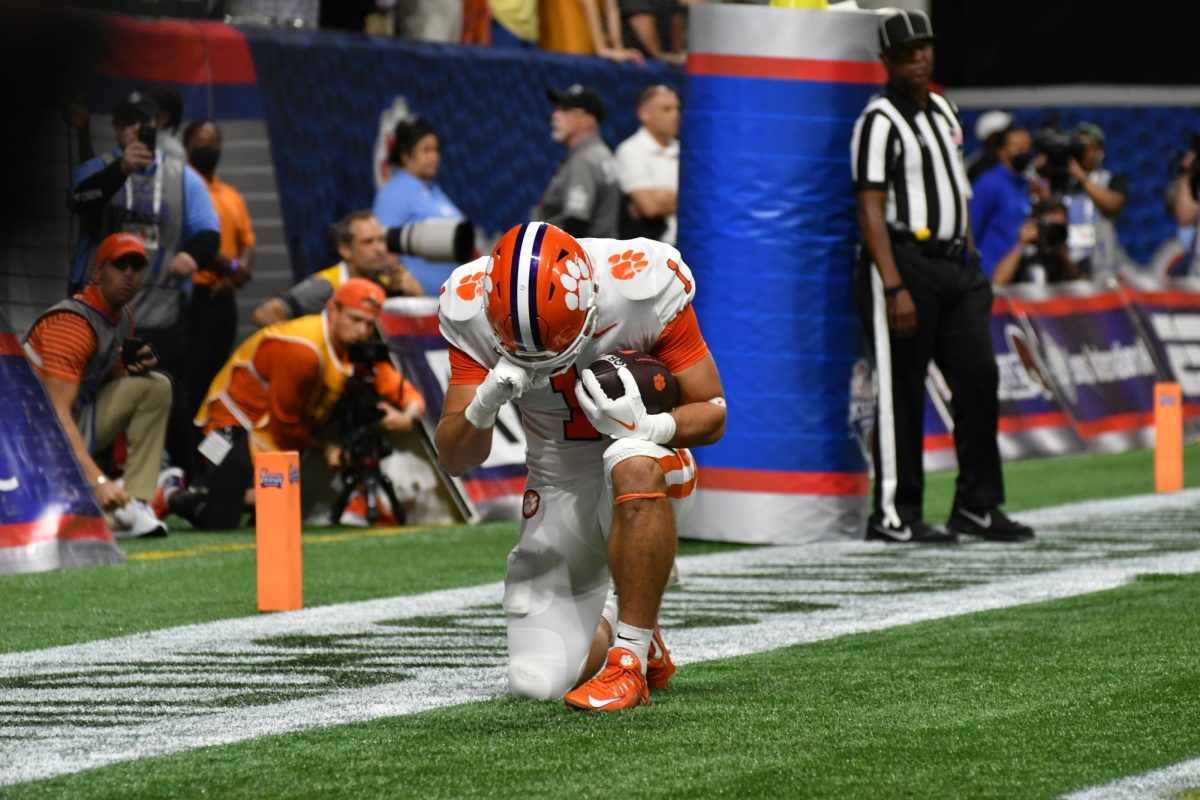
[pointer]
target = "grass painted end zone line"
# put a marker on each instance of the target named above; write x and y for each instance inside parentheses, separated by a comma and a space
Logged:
(66, 709)
(1170, 782)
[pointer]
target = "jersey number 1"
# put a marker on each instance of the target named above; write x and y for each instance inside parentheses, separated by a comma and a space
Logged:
(578, 426)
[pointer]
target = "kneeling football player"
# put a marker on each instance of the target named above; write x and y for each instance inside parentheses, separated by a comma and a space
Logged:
(608, 481)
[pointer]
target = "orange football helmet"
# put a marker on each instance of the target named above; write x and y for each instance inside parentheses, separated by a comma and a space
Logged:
(540, 296)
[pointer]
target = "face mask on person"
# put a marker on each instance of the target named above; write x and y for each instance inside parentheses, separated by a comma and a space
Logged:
(1020, 161)
(204, 159)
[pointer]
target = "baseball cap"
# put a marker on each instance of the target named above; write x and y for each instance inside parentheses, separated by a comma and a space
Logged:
(1090, 130)
(361, 294)
(900, 27)
(118, 245)
(135, 107)
(992, 121)
(578, 96)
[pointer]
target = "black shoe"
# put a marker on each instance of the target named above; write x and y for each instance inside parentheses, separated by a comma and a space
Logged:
(908, 533)
(993, 525)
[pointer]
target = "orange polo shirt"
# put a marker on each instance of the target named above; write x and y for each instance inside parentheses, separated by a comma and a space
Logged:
(236, 231)
(66, 342)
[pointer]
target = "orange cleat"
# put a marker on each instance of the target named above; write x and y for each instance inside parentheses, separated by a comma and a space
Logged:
(620, 684)
(659, 666)
(170, 480)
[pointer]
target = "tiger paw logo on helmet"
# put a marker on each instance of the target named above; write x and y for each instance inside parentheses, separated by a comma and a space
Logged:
(578, 282)
(660, 382)
(470, 287)
(627, 264)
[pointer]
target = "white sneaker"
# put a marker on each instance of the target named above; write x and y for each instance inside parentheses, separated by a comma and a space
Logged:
(136, 519)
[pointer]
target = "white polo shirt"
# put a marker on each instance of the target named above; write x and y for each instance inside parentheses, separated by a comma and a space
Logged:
(642, 163)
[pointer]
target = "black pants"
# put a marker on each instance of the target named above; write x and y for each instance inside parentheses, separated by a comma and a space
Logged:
(228, 481)
(953, 303)
(212, 321)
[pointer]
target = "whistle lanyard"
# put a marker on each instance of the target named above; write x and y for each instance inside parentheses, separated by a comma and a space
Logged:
(158, 189)
(156, 207)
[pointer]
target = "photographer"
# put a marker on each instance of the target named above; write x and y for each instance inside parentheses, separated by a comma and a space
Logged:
(141, 189)
(99, 380)
(1069, 165)
(1041, 255)
(279, 391)
(1181, 199)
(412, 194)
(362, 244)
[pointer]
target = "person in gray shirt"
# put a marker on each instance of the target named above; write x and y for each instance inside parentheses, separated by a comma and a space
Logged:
(583, 198)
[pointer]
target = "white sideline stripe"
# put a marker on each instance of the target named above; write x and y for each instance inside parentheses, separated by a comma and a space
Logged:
(1080, 562)
(1161, 783)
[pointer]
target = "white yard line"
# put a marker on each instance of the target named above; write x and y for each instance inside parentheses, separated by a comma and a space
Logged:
(1161, 783)
(351, 662)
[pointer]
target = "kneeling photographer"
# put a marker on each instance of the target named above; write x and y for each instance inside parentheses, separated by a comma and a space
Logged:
(1041, 254)
(1071, 165)
(281, 390)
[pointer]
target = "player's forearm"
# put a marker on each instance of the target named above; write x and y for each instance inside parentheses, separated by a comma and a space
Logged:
(460, 445)
(698, 424)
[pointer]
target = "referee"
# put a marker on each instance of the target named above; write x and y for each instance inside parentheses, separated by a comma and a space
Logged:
(922, 295)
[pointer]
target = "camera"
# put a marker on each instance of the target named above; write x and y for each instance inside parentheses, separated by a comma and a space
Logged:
(434, 240)
(1059, 148)
(1050, 233)
(360, 402)
(360, 439)
(148, 135)
(130, 350)
(1175, 166)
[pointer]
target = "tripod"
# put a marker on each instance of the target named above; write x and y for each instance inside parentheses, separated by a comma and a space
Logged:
(366, 451)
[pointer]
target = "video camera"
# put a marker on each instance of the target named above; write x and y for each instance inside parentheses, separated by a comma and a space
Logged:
(1059, 148)
(434, 240)
(360, 438)
(360, 402)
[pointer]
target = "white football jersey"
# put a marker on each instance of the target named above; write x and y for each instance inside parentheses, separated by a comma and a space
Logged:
(641, 286)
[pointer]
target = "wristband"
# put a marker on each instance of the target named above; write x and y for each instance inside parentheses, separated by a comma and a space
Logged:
(234, 266)
(479, 415)
(892, 291)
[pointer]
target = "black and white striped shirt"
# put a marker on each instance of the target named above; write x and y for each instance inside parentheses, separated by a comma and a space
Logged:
(915, 154)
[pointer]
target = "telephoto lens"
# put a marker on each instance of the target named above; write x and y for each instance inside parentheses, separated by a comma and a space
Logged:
(434, 240)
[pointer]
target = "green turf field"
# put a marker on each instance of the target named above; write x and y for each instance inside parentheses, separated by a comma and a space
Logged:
(1029, 701)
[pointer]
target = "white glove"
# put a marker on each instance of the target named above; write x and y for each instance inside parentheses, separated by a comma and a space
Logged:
(505, 383)
(625, 417)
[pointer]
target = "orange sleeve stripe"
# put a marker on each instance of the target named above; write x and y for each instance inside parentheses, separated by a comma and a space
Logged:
(65, 343)
(464, 370)
(681, 345)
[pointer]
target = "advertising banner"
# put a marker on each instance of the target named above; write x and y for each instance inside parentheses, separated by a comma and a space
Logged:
(411, 327)
(1169, 314)
(48, 517)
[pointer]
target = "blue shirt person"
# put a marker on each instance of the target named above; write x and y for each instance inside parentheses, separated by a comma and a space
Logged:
(1001, 200)
(413, 195)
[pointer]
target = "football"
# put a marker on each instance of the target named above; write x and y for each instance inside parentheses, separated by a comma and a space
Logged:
(660, 391)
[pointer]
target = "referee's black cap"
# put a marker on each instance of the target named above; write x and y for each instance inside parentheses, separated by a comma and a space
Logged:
(899, 27)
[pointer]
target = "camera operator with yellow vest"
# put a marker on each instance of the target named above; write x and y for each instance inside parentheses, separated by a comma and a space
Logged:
(278, 391)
